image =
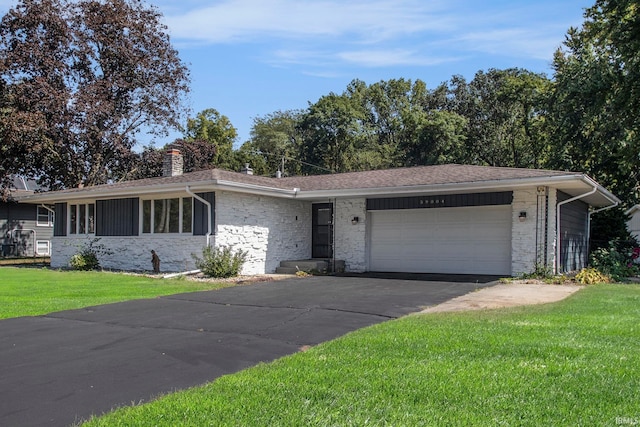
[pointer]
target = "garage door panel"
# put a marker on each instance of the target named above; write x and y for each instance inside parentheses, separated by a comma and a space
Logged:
(474, 240)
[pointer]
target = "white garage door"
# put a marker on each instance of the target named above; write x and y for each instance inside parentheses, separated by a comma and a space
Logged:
(467, 240)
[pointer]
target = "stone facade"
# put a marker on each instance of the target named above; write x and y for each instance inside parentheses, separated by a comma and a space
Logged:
(269, 229)
(133, 253)
(274, 229)
(523, 232)
(172, 163)
(529, 247)
(350, 238)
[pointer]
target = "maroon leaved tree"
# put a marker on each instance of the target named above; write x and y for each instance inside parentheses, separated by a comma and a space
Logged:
(80, 79)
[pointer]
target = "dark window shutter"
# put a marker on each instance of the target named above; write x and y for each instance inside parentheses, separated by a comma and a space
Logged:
(117, 217)
(200, 214)
(60, 222)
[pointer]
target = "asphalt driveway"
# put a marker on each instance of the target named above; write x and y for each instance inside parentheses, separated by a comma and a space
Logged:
(63, 367)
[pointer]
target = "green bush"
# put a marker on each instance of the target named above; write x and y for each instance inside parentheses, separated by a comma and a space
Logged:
(87, 256)
(220, 262)
(84, 260)
(616, 261)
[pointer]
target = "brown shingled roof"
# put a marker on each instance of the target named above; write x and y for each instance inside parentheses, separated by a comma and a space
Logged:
(386, 178)
(413, 176)
(386, 181)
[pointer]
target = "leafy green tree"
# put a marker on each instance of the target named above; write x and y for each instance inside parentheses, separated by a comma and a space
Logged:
(505, 112)
(82, 79)
(211, 126)
(594, 113)
(595, 116)
(247, 155)
(439, 138)
(276, 138)
(332, 131)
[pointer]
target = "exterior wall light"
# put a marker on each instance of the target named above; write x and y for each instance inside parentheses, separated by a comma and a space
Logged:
(355, 220)
(523, 216)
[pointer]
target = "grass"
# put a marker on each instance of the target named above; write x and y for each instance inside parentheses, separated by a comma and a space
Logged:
(576, 362)
(32, 291)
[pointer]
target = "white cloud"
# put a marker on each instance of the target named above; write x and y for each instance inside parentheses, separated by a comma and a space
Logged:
(371, 33)
(516, 42)
(393, 57)
(253, 20)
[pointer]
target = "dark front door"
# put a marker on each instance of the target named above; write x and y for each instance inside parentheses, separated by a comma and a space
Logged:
(322, 233)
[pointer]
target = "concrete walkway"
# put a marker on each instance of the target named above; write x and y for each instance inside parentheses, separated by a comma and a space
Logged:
(506, 295)
(63, 367)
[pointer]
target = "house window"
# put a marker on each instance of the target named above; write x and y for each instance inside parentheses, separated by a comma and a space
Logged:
(42, 247)
(167, 215)
(187, 215)
(82, 219)
(45, 217)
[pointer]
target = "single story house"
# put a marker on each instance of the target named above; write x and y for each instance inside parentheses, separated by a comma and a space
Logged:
(25, 228)
(440, 219)
(633, 224)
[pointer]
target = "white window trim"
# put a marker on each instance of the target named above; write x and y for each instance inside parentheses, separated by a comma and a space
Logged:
(50, 217)
(47, 243)
(152, 216)
(86, 219)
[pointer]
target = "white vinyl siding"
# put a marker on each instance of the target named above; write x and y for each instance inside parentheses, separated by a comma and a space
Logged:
(462, 240)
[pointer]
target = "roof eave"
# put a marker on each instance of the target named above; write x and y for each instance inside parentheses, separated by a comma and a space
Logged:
(490, 185)
(563, 182)
(632, 209)
(99, 193)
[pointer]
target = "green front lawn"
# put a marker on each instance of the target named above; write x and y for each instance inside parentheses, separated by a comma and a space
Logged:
(32, 291)
(576, 362)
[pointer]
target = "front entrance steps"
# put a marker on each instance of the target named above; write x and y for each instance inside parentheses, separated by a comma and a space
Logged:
(310, 266)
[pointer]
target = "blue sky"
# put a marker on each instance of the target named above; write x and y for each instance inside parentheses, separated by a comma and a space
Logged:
(249, 58)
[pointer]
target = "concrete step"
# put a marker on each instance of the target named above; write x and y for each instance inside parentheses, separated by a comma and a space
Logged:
(286, 270)
(305, 265)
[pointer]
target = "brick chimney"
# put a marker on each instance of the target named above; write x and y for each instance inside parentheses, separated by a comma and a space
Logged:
(172, 163)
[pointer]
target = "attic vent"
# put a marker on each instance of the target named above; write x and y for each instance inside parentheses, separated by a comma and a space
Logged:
(172, 163)
(247, 170)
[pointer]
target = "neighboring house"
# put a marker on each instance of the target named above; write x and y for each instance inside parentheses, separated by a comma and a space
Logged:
(633, 224)
(438, 219)
(25, 228)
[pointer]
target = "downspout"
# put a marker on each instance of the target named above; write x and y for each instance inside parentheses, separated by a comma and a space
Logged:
(42, 205)
(209, 211)
(558, 234)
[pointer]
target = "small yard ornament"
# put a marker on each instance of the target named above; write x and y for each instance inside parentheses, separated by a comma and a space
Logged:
(155, 260)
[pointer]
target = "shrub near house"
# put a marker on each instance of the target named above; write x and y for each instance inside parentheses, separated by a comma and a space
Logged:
(220, 262)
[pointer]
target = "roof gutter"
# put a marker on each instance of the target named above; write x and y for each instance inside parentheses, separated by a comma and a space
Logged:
(209, 211)
(89, 193)
(451, 187)
(558, 234)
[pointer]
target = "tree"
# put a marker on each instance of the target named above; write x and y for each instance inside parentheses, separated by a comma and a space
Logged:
(197, 155)
(216, 129)
(594, 117)
(82, 78)
(438, 138)
(505, 112)
(332, 132)
(276, 138)
(596, 102)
